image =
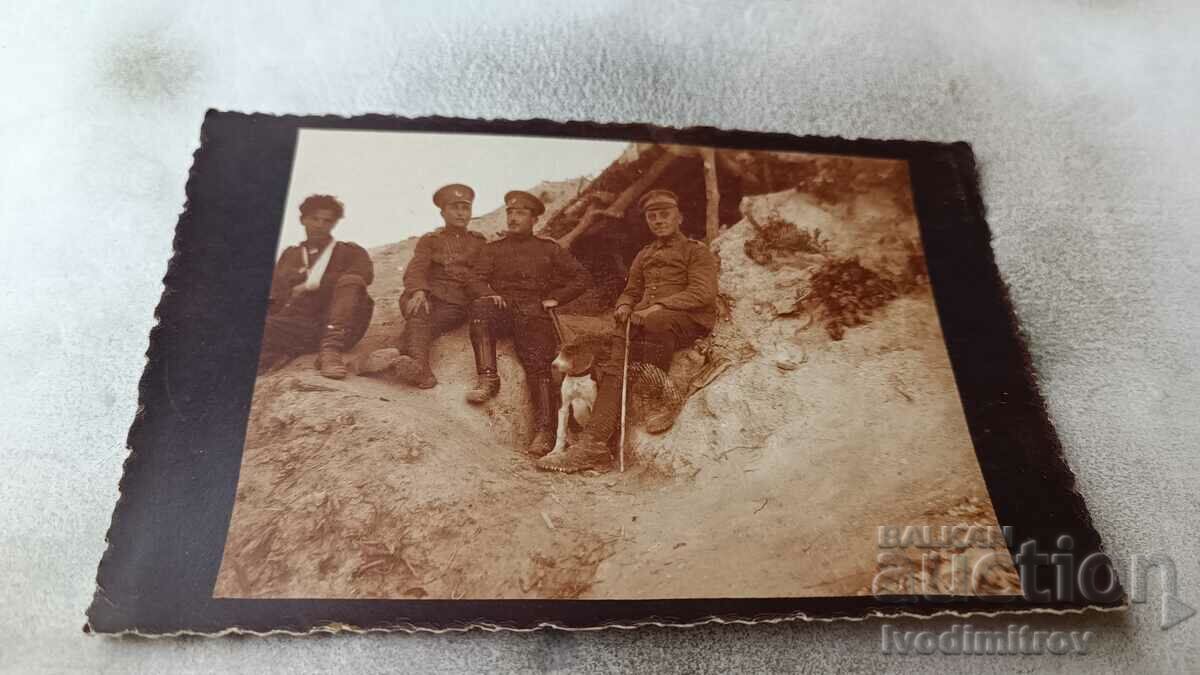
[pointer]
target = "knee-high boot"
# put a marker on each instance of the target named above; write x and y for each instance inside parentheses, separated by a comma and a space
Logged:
(483, 343)
(541, 395)
(412, 366)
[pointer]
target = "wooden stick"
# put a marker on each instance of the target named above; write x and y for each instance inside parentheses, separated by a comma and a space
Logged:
(712, 195)
(624, 397)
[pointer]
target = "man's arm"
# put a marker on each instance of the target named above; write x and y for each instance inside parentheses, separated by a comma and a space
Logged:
(416, 275)
(701, 290)
(570, 277)
(635, 285)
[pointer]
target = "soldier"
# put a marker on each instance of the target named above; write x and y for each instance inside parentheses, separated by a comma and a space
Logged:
(318, 294)
(435, 298)
(516, 281)
(670, 298)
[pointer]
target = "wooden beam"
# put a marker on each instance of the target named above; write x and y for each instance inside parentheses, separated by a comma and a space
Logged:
(616, 210)
(584, 224)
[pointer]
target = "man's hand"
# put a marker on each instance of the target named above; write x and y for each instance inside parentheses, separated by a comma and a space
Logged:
(419, 302)
(496, 300)
(549, 303)
(621, 314)
(639, 317)
(299, 289)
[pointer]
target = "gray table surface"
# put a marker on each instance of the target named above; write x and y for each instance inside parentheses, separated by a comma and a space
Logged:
(1083, 117)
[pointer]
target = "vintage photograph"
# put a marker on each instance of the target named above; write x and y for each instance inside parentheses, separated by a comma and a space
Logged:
(517, 367)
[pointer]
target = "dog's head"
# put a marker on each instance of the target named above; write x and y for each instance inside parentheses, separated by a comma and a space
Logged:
(578, 355)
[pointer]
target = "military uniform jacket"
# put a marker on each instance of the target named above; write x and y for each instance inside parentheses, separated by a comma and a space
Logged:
(347, 259)
(677, 273)
(524, 270)
(441, 264)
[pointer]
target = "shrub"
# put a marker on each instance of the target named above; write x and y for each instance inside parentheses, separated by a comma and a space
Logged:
(779, 236)
(842, 294)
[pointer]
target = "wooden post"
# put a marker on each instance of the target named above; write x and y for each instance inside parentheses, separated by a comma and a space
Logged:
(711, 193)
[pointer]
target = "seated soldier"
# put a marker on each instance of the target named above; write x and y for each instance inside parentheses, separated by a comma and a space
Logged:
(516, 281)
(670, 299)
(319, 294)
(435, 297)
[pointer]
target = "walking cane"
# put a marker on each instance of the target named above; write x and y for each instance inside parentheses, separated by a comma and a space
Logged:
(624, 397)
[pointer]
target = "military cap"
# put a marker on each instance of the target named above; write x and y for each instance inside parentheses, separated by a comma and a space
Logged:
(658, 199)
(518, 199)
(452, 193)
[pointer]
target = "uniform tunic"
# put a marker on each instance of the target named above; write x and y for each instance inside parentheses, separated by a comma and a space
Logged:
(677, 273)
(681, 275)
(441, 264)
(525, 270)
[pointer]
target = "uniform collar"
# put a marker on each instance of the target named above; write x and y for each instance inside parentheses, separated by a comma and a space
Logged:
(455, 231)
(672, 240)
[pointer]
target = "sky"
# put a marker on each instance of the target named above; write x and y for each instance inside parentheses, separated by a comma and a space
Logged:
(386, 179)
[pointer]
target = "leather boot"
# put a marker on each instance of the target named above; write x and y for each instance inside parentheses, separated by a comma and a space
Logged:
(606, 412)
(541, 394)
(412, 367)
(329, 360)
(487, 381)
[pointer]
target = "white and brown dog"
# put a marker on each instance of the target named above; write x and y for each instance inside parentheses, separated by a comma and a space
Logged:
(576, 361)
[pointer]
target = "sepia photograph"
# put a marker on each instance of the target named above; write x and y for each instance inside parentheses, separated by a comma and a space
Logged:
(516, 367)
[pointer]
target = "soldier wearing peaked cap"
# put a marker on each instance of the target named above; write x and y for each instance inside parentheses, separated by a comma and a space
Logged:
(435, 298)
(454, 193)
(515, 282)
(658, 199)
(518, 199)
(670, 299)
